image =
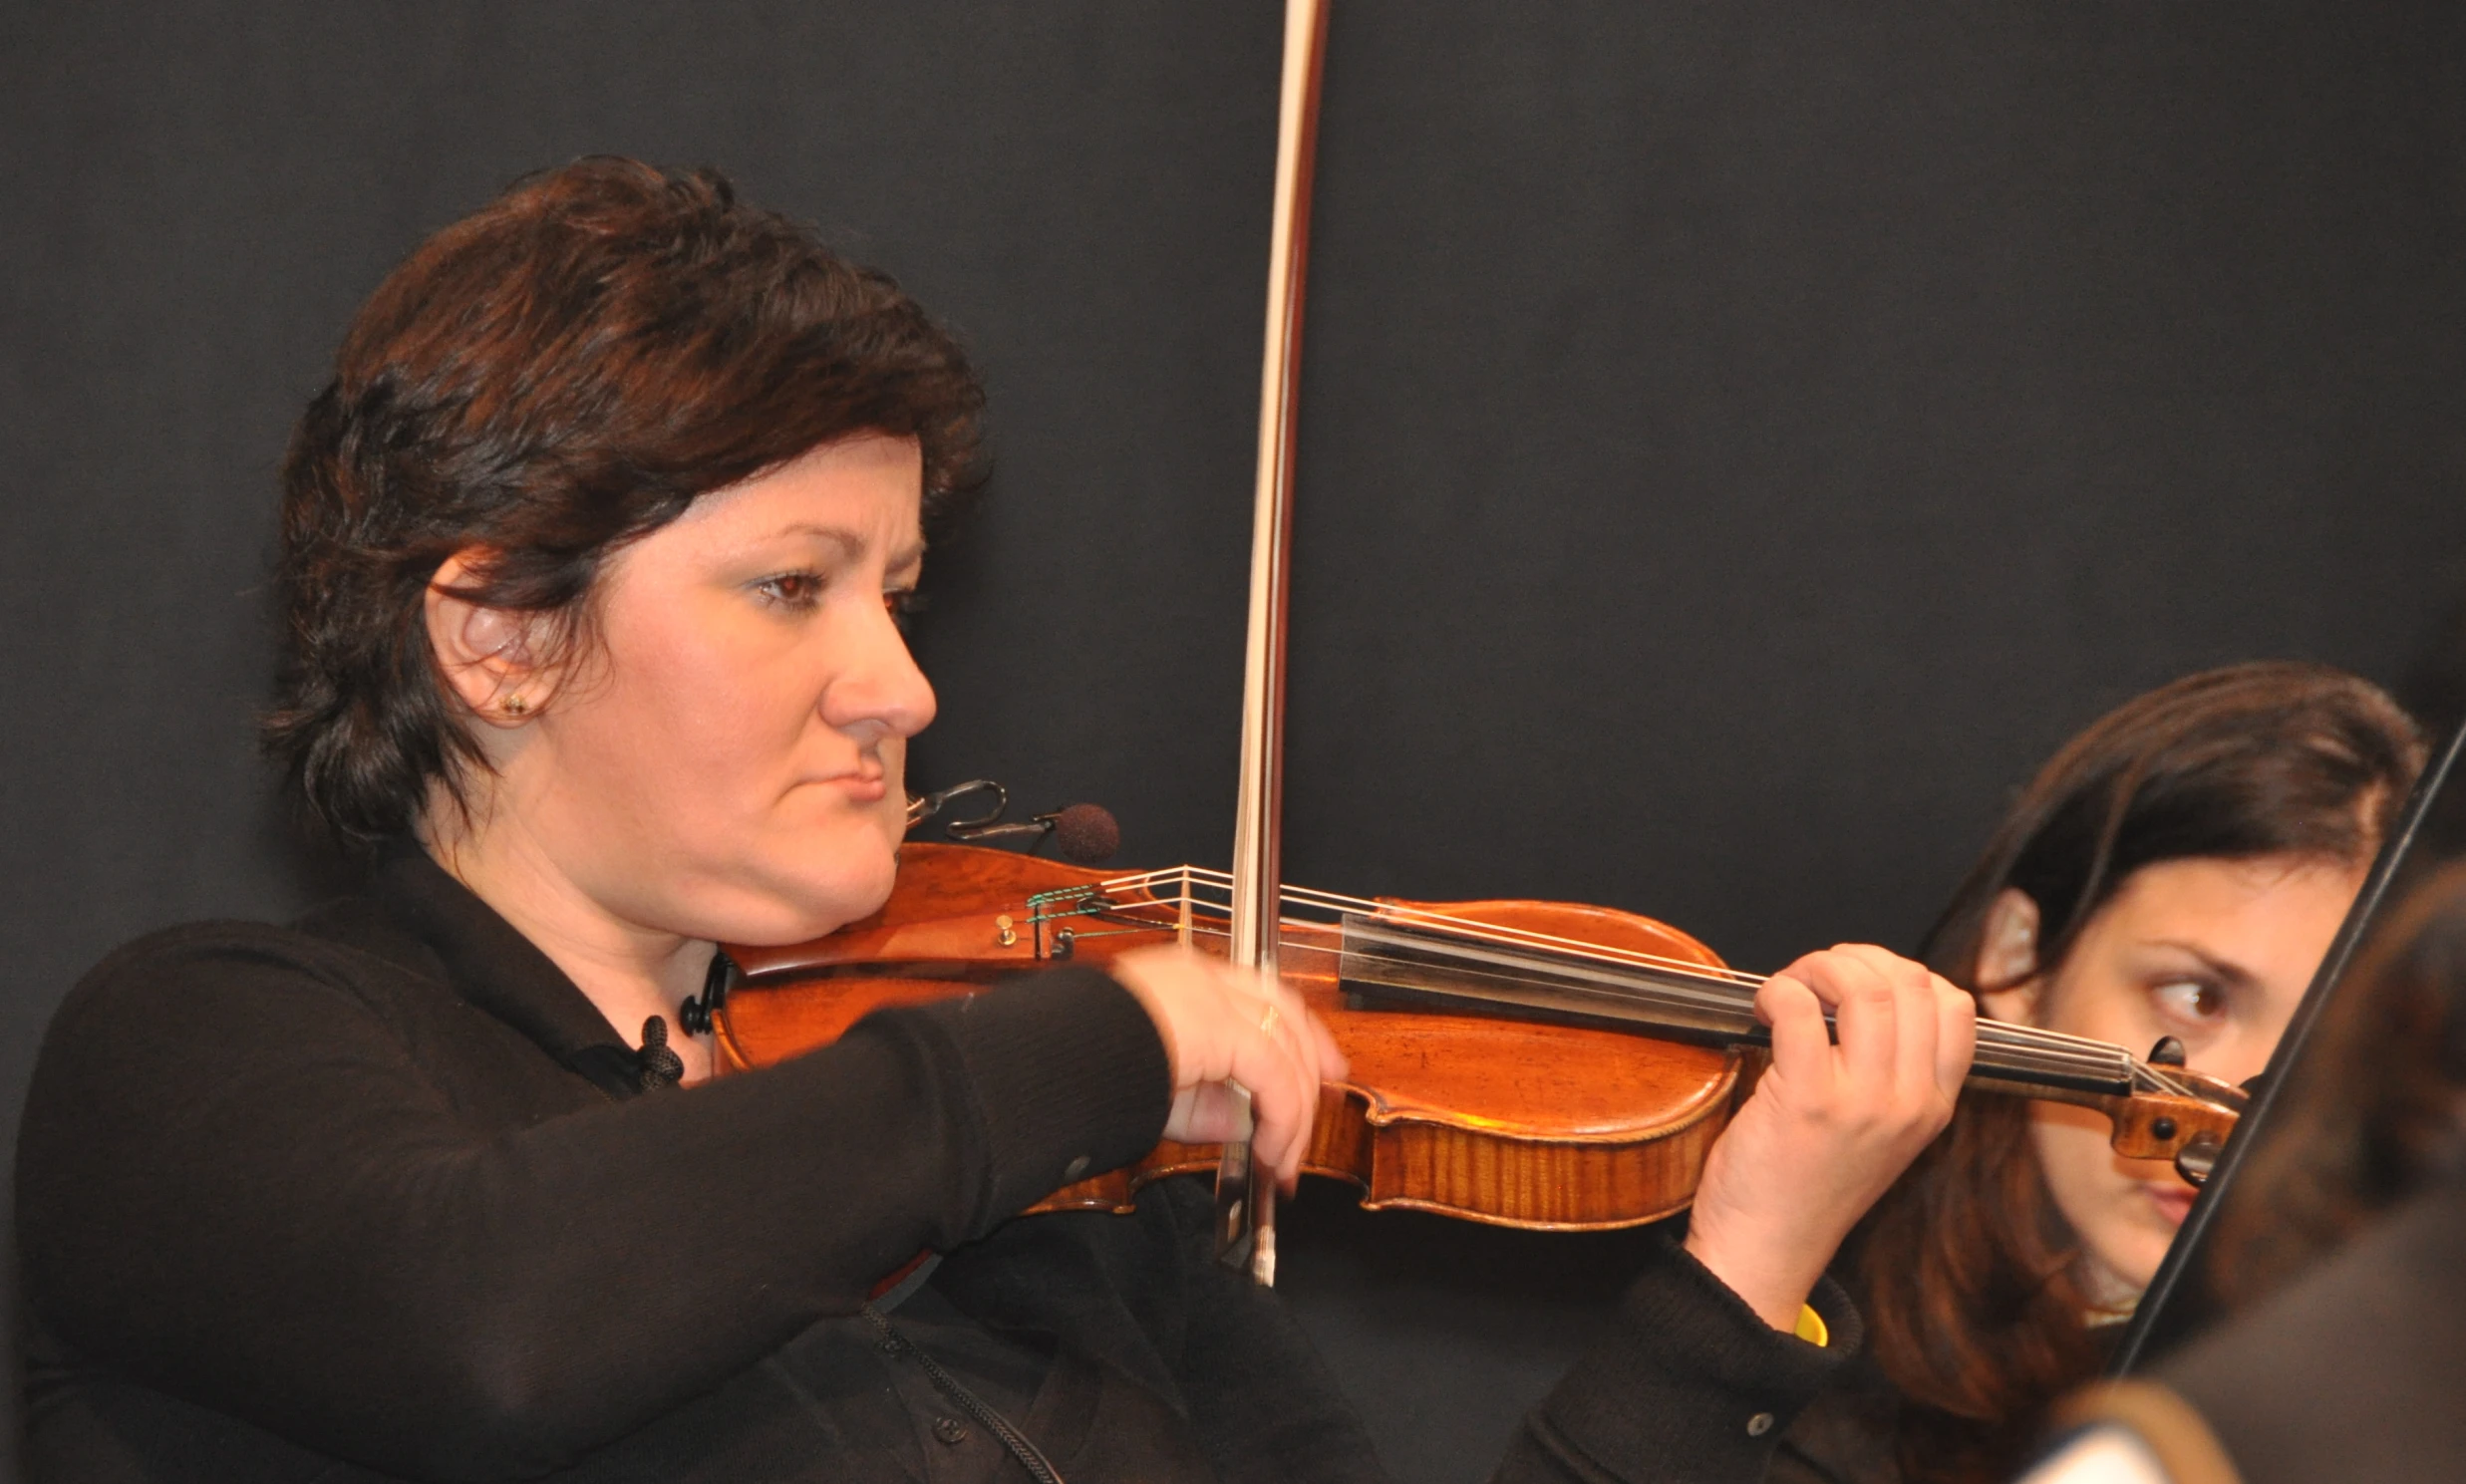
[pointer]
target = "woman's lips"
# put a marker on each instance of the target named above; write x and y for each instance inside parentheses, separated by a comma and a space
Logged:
(2173, 1201)
(860, 789)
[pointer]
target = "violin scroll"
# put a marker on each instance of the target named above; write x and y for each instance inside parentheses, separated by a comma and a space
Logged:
(2188, 1130)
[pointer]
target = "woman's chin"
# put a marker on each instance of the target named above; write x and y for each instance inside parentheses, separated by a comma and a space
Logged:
(772, 905)
(815, 907)
(2129, 1274)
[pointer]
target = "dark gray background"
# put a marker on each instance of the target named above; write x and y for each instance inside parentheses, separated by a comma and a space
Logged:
(1737, 440)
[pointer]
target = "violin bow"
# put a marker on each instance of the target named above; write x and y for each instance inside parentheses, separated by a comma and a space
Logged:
(1245, 1194)
(2160, 1307)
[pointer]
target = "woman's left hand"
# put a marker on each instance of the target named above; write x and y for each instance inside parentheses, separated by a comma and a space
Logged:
(1829, 1126)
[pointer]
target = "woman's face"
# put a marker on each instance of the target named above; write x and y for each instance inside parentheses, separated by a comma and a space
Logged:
(726, 761)
(2215, 953)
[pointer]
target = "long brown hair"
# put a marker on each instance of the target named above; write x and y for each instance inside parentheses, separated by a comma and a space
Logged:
(1968, 1275)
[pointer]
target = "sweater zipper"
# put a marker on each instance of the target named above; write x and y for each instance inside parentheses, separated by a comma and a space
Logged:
(1038, 1467)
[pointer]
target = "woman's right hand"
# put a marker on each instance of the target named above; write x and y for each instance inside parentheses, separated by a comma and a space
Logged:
(1226, 1028)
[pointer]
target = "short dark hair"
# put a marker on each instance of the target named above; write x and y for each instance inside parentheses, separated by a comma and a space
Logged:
(560, 373)
(1966, 1271)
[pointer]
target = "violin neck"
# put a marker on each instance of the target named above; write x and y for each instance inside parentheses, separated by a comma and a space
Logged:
(1399, 953)
(1385, 963)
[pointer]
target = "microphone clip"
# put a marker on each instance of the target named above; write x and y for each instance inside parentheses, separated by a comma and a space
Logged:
(922, 807)
(1085, 833)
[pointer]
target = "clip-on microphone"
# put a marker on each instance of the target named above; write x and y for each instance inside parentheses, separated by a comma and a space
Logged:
(1083, 834)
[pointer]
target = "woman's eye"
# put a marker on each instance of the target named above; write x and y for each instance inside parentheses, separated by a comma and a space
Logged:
(902, 605)
(792, 589)
(2191, 1001)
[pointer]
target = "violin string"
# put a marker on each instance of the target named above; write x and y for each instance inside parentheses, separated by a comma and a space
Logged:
(1736, 1017)
(1394, 911)
(2014, 1053)
(2082, 1050)
(2022, 1047)
(2003, 1031)
(2025, 1047)
(2026, 1050)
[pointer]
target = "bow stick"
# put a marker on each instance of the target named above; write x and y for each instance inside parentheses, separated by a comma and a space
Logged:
(1246, 1195)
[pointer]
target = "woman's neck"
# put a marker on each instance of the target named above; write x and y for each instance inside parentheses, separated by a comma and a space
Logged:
(629, 972)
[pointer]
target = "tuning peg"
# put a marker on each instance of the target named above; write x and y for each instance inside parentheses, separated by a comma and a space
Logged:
(2167, 1052)
(2198, 1157)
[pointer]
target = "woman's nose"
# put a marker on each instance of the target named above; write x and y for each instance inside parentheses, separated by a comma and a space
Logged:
(879, 684)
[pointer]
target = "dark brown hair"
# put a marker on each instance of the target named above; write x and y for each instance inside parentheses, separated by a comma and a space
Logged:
(560, 373)
(1966, 1272)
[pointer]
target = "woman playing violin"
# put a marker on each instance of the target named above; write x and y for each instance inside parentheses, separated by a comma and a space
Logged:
(2339, 1254)
(2177, 870)
(592, 552)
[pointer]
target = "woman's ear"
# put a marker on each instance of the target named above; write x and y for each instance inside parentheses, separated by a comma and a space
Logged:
(487, 655)
(2007, 968)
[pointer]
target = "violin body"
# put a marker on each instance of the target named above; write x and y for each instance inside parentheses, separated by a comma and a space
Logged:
(1553, 1127)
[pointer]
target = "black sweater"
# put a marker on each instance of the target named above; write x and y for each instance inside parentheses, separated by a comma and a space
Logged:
(374, 1196)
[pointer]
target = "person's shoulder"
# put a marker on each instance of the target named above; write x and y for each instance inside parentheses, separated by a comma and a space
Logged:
(177, 972)
(187, 1012)
(206, 946)
(189, 950)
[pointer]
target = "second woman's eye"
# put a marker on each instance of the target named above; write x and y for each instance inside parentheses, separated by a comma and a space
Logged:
(2191, 1001)
(902, 605)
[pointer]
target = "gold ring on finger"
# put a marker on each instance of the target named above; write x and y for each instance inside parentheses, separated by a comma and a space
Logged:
(1267, 1022)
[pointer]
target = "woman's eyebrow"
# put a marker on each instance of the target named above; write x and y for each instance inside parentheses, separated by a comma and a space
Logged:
(2223, 968)
(851, 543)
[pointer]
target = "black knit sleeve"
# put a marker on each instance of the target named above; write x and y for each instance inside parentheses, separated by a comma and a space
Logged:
(243, 1180)
(1687, 1385)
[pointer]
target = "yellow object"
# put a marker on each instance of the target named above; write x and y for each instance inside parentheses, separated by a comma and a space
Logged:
(1810, 1326)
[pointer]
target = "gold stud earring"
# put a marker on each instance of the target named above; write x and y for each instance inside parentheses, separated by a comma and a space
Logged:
(515, 706)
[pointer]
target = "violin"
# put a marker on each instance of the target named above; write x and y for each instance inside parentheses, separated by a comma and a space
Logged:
(1539, 1065)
